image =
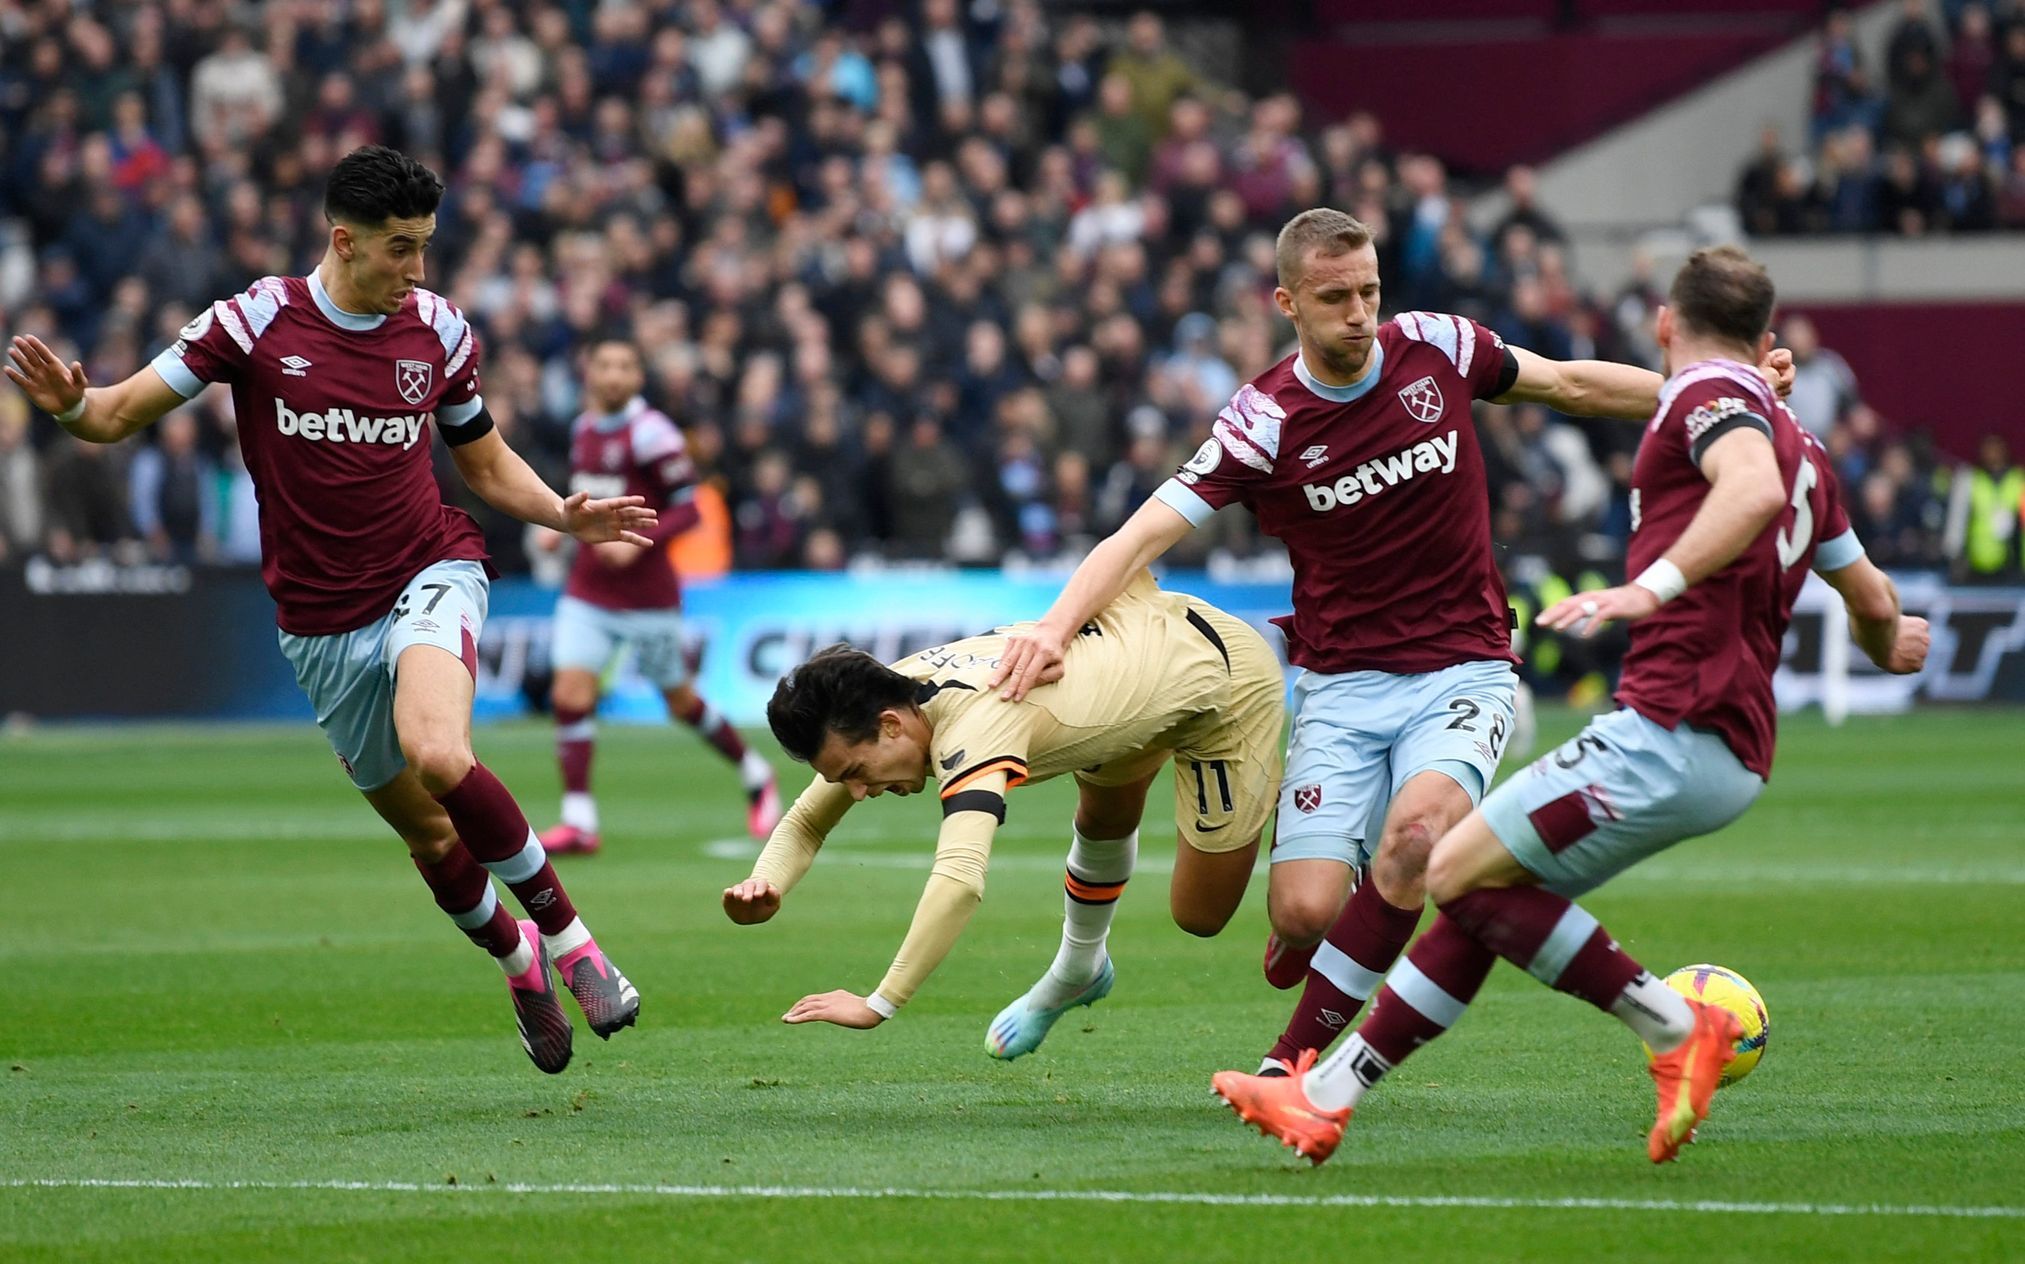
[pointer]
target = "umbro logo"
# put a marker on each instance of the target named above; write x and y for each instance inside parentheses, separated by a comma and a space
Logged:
(1316, 455)
(949, 764)
(295, 366)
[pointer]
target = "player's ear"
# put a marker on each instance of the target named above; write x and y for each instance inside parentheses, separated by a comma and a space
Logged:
(1662, 326)
(1284, 300)
(1765, 344)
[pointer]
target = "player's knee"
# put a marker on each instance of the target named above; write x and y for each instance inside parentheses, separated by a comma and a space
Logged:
(432, 846)
(681, 699)
(1200, 921)
(1400, 868)
(1302, 921)
(570, 693)
(439, 763)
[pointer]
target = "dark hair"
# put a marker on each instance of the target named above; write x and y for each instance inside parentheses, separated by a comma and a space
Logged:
(373, 184)
(841, 690)
(1721, 292)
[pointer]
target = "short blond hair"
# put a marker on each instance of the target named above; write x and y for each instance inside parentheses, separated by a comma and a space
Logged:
(1322, 229)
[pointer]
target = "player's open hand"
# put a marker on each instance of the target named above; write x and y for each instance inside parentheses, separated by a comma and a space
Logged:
(618, 518)
(1031, 659)
(53, 387)
(1909, 652)
(1586, 614)
(752, 901)
(1778, 370)
(845, 1009)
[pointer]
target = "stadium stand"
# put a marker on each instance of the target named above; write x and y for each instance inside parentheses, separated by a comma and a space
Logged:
(950, 290)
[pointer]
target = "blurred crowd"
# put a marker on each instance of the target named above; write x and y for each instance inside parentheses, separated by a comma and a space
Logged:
(934, 282)
(1923, 134)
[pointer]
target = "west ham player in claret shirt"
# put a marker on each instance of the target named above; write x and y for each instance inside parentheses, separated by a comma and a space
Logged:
(1732, 503)
(380, 589)
(1360, 452)
(619, 596)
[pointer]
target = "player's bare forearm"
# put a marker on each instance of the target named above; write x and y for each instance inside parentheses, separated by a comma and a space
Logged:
(1893, 640)
(1745, 495)
(94, 414)
(1035, 658)
(1585, 388)
(507, 483)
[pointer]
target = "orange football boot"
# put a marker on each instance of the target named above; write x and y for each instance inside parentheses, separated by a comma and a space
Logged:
(1278, 1106)
(1686, 1079)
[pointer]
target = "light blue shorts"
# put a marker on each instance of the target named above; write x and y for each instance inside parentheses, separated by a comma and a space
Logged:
(1623, 789)
(590, 637)
(349, 676)
(1360, 736)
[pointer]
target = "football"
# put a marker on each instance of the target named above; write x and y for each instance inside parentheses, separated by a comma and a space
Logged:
(1714, 985)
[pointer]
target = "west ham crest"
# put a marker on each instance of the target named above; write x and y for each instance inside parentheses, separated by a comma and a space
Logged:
(1423, 400)
(1307, 798)
(413, 378)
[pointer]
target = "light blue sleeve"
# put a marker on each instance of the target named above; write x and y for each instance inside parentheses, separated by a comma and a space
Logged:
(1833, 555)
(177, 374)
(1182, 498)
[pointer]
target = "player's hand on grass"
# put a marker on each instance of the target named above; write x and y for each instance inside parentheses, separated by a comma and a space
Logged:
(1778, 370)
(751, 901)
(1909, 652)
(1585, 614)
(845, 1009)
(48, 383)
(1031, 659)
(618, 518)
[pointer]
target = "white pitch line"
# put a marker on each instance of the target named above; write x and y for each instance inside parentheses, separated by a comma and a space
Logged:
(1401, 1201)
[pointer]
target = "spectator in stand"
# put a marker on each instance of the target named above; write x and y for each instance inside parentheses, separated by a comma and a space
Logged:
(1972, 55)
(87, 510)
(1985, 514)
(20, 484)
(1155, 73)
(172, 493)
(1824, 386)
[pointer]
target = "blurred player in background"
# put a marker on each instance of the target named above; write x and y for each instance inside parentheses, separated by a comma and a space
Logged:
(1732, 502)
(619, 596)
(1360, 452)
(380, 589)
(1152, 674)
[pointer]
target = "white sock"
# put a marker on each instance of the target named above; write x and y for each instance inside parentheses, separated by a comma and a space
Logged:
(1341, 1079)
(568, 939)
(517, 961)
(1661, 1016)
(754, 771)
(1085, 927)
(580, 811)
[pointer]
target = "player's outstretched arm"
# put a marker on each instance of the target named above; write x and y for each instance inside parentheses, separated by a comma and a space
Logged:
(954, 890)
(1745, 495)
(788, 853)
(1895, 641)
(1035, 658)
(504, 481)
(96, 414)
(1600, 388)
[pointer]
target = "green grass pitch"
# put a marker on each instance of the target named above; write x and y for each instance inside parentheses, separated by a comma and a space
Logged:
(221, 972)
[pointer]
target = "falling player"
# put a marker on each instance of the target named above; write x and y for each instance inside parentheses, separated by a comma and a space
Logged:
(1153, 673)
(1732, 501)
(1359, 451)
(380, 589)
(618, 595)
